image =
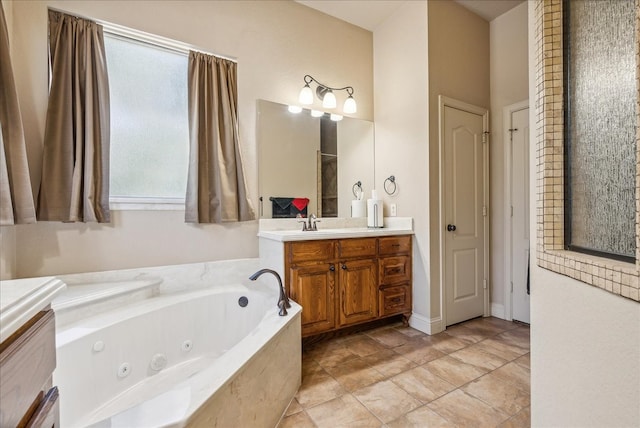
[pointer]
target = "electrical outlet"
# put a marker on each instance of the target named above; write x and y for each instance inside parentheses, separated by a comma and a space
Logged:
(393, 209)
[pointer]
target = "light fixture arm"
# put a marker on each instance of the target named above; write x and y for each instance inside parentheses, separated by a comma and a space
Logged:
(322, 88)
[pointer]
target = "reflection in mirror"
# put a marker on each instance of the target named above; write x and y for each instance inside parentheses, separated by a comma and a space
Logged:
(305, 157)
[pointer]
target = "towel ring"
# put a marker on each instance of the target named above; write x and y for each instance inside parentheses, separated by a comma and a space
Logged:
(354, 189)
(392, 180)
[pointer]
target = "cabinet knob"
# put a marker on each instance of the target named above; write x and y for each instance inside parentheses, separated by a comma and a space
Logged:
(344, 267)
(332, 268)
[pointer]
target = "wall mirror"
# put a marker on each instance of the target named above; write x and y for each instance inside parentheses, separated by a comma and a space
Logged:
(315, 158)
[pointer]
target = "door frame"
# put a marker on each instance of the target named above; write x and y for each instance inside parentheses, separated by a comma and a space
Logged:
(443, 102)
(507, 111)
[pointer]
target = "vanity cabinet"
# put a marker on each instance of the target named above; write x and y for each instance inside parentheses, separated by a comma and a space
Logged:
(344, 282)
(27, 361)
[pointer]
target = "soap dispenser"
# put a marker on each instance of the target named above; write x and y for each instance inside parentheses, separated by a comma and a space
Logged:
(374, 211)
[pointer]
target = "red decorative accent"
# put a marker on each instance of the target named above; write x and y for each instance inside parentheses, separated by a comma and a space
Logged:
(300, 203)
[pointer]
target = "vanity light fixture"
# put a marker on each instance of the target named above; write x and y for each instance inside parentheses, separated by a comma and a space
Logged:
(325, 93)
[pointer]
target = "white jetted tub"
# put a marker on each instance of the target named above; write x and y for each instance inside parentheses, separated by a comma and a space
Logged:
(158, 353)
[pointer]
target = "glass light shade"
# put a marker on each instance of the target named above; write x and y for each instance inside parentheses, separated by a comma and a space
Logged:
(349, 105)
(295, 109)
(317, 113)
(329, 100)
(336, 117)
(306, 95)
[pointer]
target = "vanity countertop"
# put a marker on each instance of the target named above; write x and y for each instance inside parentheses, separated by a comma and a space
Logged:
(332, 228)
(21, 299)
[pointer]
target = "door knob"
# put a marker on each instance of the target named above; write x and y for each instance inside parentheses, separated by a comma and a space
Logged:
(451, 227)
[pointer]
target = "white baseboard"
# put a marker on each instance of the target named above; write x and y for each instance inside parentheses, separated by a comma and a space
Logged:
(497, 310)
(426, 325)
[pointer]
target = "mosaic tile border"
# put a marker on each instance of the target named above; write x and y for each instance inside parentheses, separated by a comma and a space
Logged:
(615, 277)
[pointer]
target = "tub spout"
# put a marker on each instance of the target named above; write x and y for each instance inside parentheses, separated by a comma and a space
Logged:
(283, 300)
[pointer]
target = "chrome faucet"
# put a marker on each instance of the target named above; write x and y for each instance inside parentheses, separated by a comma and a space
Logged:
(283, 300)
(310, 224)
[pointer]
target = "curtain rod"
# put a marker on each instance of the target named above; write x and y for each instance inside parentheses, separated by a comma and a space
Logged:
(143, 36)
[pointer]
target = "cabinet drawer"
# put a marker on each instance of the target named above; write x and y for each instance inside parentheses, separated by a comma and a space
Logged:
(310, 251)
(26, 363)
(394, 245)
(365, 247)
(394, 270)
(395, 300)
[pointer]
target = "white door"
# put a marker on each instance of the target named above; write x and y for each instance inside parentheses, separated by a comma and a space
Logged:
(519, 130)
(464, 173)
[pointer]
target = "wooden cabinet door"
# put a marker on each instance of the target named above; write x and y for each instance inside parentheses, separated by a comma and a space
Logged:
(313, 287)
(358, 298)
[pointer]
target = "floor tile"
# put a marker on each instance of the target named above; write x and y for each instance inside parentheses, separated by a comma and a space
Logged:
(524, 361)
(499, 394)
(389, 337)
(478, 357)
(294, 407)
(318, 388)
(298, 420)
(411, 332)
(354, 374)
(515, 374)
(344, 411)
(501, 349)
(454, 371)
(446, 343)
(462, 332)
(520, 420)
(333, 357)
(364, 345)
(420, 418)
(389, 363)
(483, 327)
(518, 337)
(422, 384)
(466, 411)
(386, 400)
(420, 352)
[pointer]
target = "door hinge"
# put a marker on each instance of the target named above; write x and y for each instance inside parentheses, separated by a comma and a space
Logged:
(484, 211)
(511, 210)
(484, 284)
(512, 286)
(485, 136)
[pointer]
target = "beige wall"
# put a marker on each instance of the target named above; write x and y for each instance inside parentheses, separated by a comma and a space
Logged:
(276, 44)
(459, 69)
(509, 85)
(402, 133)
(585, 342)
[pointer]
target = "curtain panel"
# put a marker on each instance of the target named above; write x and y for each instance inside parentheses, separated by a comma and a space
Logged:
(216, 188)
(75, 170)
(16, 197)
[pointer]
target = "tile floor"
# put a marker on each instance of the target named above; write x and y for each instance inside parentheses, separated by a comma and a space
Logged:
(476, 374)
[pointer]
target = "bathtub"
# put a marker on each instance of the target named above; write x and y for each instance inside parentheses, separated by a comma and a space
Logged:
(204, 355)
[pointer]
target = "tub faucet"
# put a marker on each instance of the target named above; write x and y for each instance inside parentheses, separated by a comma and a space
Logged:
(283, 300)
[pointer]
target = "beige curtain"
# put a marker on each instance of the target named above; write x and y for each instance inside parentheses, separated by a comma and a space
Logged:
(216, 189)
(75, 170)
(16, 197)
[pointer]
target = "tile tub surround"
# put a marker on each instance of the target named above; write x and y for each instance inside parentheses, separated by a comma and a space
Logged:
(474, 374)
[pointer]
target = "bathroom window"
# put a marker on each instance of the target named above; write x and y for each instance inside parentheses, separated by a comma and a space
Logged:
(149, 122)
(600, 132)
(596, 113)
